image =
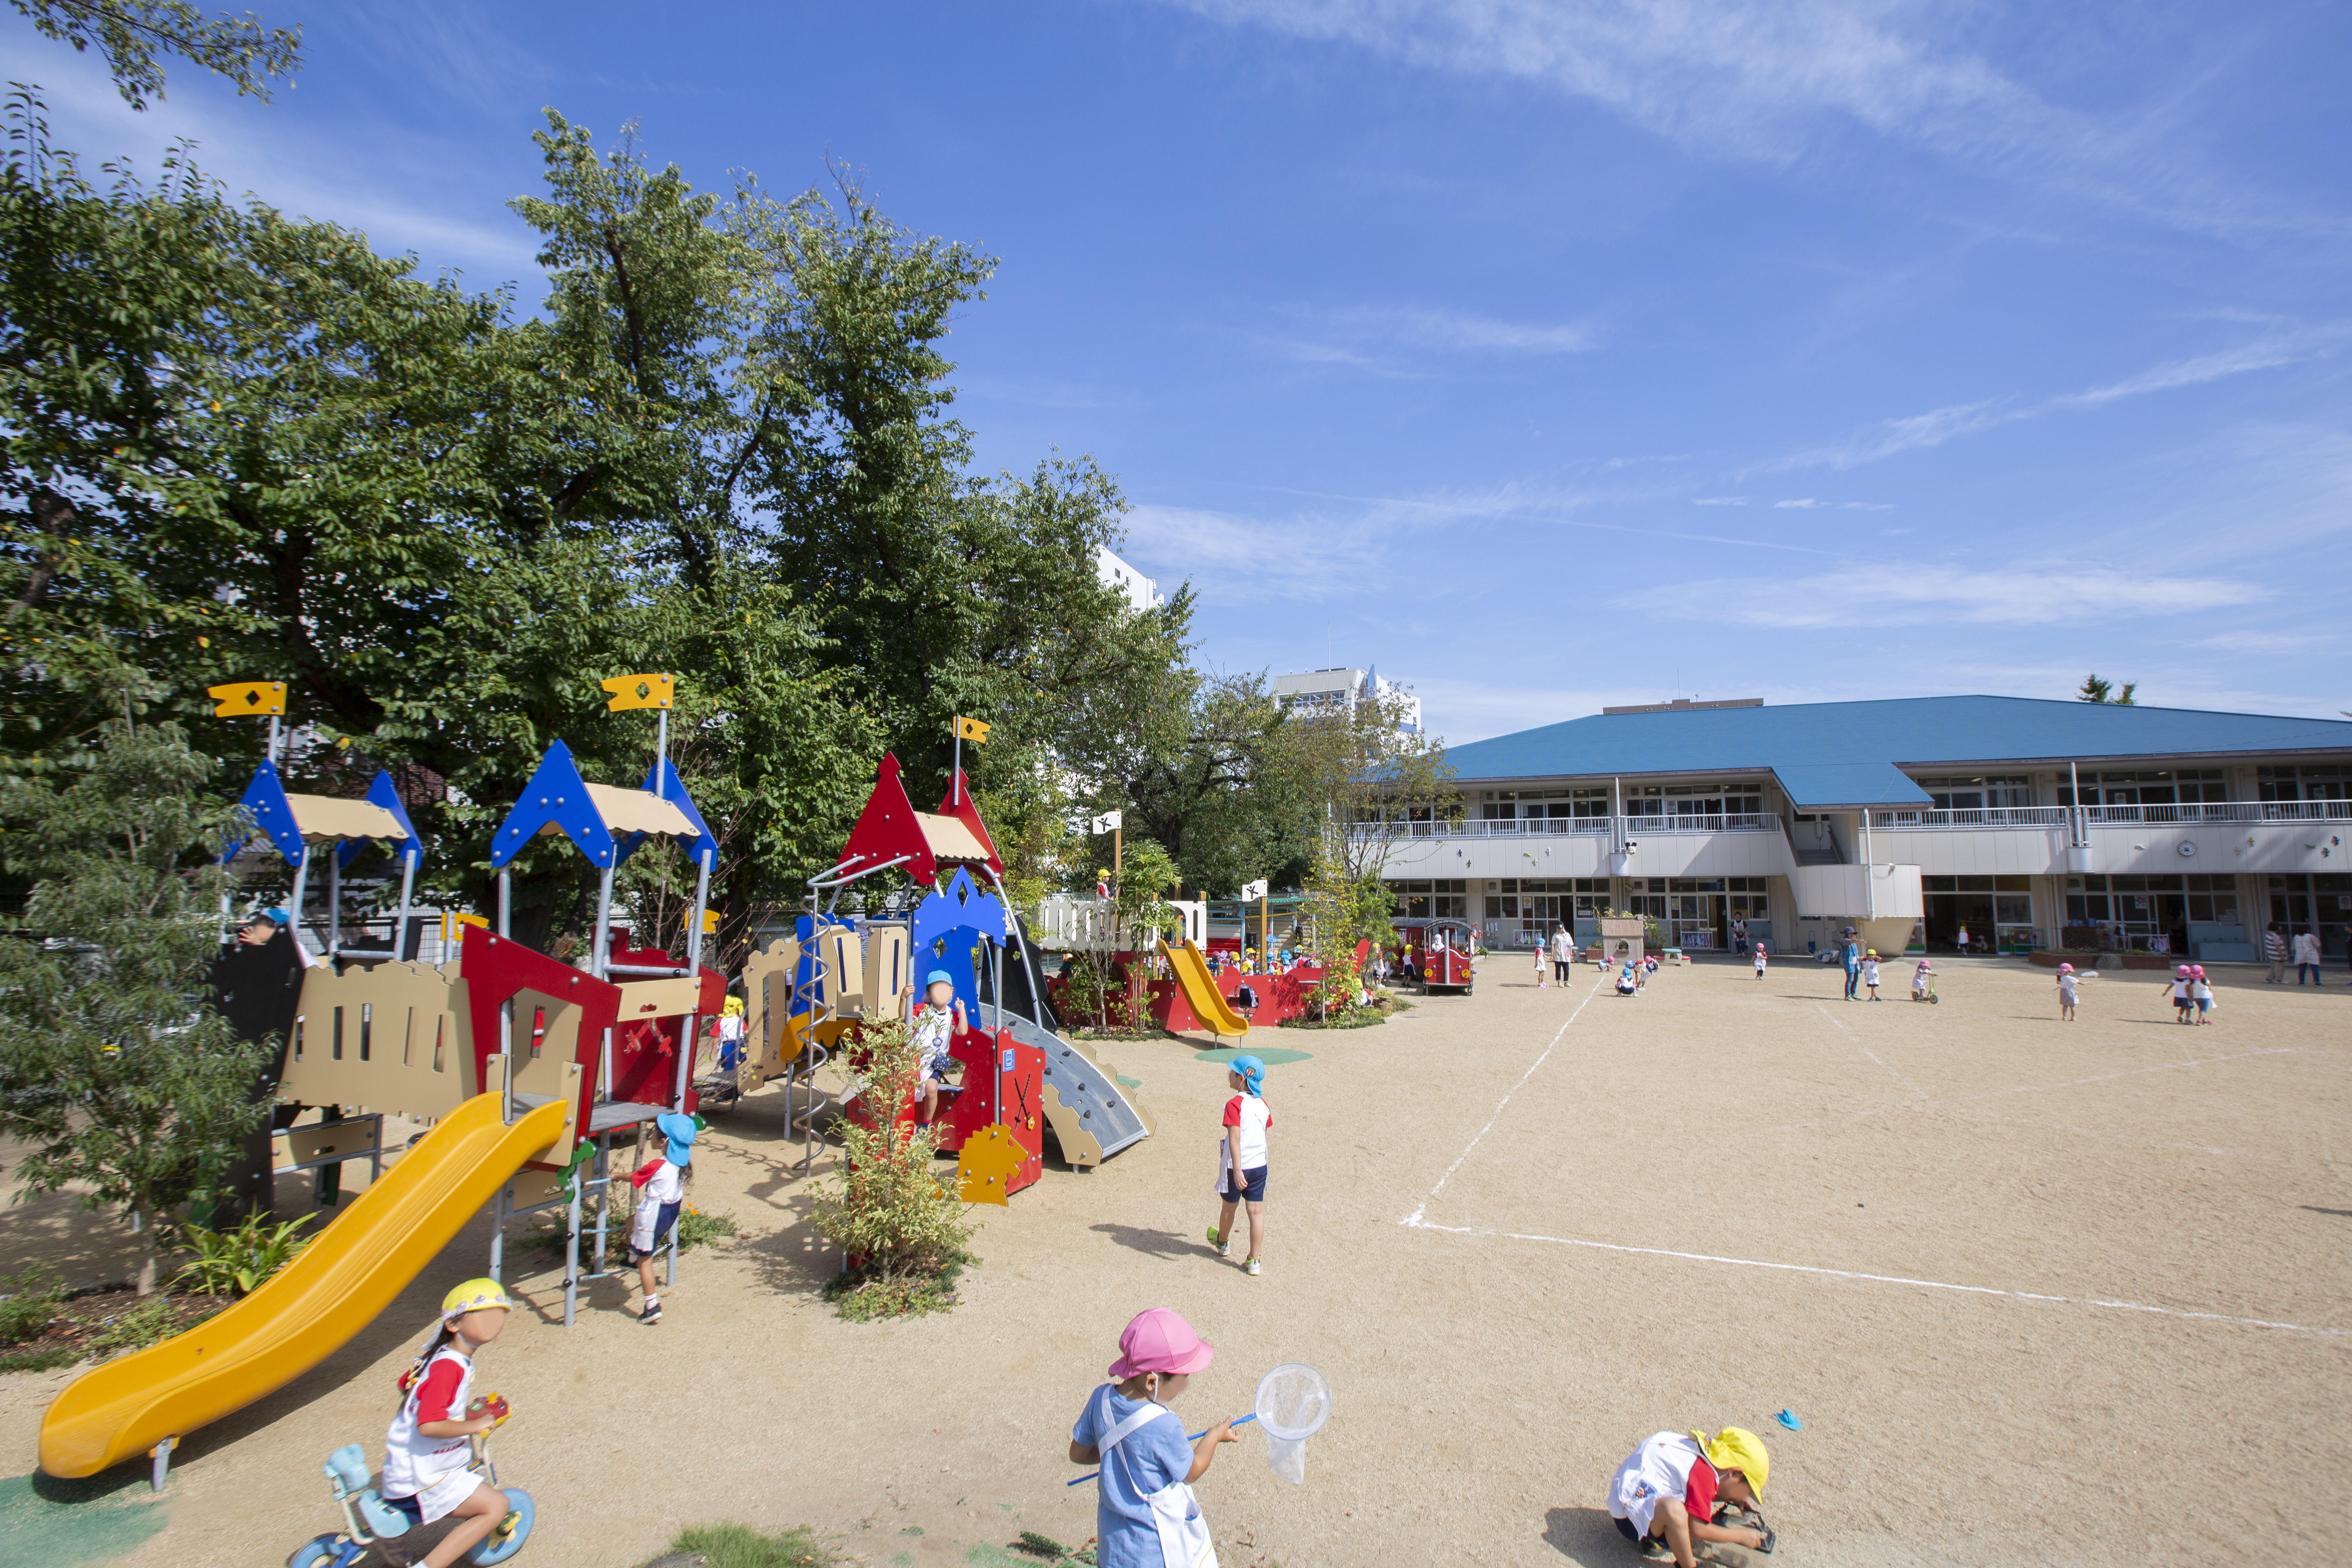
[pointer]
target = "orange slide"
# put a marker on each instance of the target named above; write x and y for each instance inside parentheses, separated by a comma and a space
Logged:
(121, 1409)
(1208, 1003)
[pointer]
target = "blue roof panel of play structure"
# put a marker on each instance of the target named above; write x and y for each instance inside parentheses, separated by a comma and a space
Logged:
(1829, 754)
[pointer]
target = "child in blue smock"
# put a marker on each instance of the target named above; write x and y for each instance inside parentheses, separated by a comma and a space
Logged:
(1145, 1516)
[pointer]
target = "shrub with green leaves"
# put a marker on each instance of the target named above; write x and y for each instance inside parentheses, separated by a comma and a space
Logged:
(234, 1262)
(890, 1206)
(29, 1302)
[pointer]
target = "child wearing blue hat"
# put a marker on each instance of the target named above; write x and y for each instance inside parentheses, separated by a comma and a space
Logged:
(936, 1022)
(661, 1193)
(1241, 1160)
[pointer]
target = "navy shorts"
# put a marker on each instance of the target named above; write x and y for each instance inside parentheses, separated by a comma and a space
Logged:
(1625, 1527)
(1250, 1188)
(662, 1222)
(408, 1507)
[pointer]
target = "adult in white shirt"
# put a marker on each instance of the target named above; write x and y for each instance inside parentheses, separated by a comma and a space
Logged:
(1563, 953)
(2306, 957)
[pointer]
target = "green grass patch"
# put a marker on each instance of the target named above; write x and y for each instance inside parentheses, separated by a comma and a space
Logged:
(734, 1546)
(695, 1227)
(1353, 1018)
(44, 1360)
(862, 1298)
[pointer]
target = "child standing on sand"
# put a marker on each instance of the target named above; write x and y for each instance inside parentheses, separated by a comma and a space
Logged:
(661, 1196)
(1145, 1515)
(2201, 993)
(1869, 971)
(2066, 991)
(1542, 977)
(1241, 1161)
(1759, 951)
(2182, 1002)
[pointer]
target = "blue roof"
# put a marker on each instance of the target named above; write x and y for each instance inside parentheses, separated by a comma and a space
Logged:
(1840, 755)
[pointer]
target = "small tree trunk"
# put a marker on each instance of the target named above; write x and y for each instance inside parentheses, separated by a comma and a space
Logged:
(147, 1259)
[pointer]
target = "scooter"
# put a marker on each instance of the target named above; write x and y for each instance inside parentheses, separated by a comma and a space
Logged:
(370, 1520)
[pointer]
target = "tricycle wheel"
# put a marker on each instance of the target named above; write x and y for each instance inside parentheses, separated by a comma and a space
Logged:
(317, 1552)
(507, 1539)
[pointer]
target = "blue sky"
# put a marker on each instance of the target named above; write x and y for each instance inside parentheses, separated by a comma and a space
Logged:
(1545, 355)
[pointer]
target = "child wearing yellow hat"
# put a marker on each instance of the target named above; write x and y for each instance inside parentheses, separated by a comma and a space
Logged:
(1667, 1494)
(428, 1450)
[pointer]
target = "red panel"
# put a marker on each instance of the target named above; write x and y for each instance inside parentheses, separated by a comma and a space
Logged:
(496, 969)
(886, 829)
(966, 1112)
(1279, 996)
(958, 802)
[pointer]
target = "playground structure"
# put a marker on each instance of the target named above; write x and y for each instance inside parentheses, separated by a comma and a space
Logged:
(1439, 951)
(526, 1066)
(1021, 1080)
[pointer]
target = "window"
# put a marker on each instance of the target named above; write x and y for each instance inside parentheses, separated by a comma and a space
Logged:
(2304, 781)
(1440, 900)
(1980, 792)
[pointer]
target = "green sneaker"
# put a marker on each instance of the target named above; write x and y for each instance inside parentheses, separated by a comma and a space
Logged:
(1223, 1244)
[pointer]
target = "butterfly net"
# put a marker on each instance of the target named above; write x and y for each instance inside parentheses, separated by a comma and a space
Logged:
(1293, 1402)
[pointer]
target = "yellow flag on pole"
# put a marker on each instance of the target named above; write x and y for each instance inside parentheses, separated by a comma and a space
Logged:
(970, 730)
(637, 691)
(248, 700)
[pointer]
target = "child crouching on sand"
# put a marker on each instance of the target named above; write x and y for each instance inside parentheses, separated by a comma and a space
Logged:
(1667, 1494)
(1145, 1515)
(1241, 1161)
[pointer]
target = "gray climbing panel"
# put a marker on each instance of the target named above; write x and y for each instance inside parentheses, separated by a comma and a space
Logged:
(1093, 1115)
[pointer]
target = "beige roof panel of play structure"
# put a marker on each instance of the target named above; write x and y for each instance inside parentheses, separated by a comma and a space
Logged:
(638, 811)
(325, 816)
(950, 840)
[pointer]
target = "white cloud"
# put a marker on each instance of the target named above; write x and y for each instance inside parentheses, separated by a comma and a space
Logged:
(1926, 593)
(1721, 500)
(1938, 425)
(2268, 642)
(1392, 338)
(1460, 712)
(1232, 558)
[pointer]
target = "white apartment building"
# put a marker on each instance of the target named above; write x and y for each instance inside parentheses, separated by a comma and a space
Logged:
(1142, 593)
(1336, 689)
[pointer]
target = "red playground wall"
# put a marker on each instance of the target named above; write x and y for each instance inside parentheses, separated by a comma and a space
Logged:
(1279, 996)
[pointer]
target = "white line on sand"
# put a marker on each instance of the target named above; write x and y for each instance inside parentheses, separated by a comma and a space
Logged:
(1417, 1223)
(2045, 1088)
(1414, 1218)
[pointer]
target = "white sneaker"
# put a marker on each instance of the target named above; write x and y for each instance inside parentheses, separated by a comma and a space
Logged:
(1251, 1267)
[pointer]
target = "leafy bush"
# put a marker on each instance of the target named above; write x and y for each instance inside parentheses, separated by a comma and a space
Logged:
(695, 1227)
(235, 1262)
(31, 1302)
(153, 1321)
(893, 1211)
(740, 1546)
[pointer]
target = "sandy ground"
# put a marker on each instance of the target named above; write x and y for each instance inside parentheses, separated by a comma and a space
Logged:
(2041, 1293)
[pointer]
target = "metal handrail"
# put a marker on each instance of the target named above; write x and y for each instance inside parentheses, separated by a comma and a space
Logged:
(2190, 814)
(1582, 827)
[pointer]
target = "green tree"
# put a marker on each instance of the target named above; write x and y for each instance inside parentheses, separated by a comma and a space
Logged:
(115, 1068)
(129, 34)
(2094, 689)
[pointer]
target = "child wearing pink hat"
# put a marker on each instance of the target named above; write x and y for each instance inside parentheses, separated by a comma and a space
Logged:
(1146, 1516)
(2068, 990)
(2200, 991)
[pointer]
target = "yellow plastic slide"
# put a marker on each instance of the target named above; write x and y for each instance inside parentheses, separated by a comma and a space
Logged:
(121, 1409)
(1201, 989)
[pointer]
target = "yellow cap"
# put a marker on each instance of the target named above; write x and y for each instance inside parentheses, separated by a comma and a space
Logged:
(1737, 1449)
(475, 1296)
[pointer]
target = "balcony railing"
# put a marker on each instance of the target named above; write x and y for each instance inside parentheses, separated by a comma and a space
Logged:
(2117, 815)
(1553, 827)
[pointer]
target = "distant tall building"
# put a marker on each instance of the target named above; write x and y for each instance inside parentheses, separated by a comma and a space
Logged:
(1141, 592)
(1345, 688)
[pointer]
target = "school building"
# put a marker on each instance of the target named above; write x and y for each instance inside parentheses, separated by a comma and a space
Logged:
(2030, 823)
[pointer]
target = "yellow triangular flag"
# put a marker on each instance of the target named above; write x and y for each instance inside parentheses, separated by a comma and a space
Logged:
(970, 730)
(248, 698)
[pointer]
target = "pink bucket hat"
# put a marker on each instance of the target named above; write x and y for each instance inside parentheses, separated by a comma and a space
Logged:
(1158, 1341)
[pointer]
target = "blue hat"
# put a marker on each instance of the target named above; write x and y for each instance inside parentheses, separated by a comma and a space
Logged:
(275, 917)
(680, 1130)
(937, 977)
(1252, 1071)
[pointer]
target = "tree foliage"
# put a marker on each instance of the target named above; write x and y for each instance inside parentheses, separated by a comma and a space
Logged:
(129, 34)
(115, 1069)
(2094, 689)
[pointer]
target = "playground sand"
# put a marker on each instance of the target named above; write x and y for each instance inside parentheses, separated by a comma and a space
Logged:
(2041, 1293)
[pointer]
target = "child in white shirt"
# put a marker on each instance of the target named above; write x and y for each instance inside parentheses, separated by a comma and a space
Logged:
(428, 1449)
(2183, 1005)
(661, 1196)
(2067, 991)
(1758, 951)
(1241, 1160)
(1869, 971)
(936, 1022)
(2201, 993)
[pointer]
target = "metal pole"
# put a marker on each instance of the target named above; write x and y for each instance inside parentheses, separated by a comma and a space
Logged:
(597, 959)
(955, 782)
(571, 1247)
(505, 1056)
(294, 898)
(407, 887)
(2075, 835)
(604, 1197)
(694, 972)
(334, 899)
(498, 1234)
(270, 754)
(506, 903)
(661, 753)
